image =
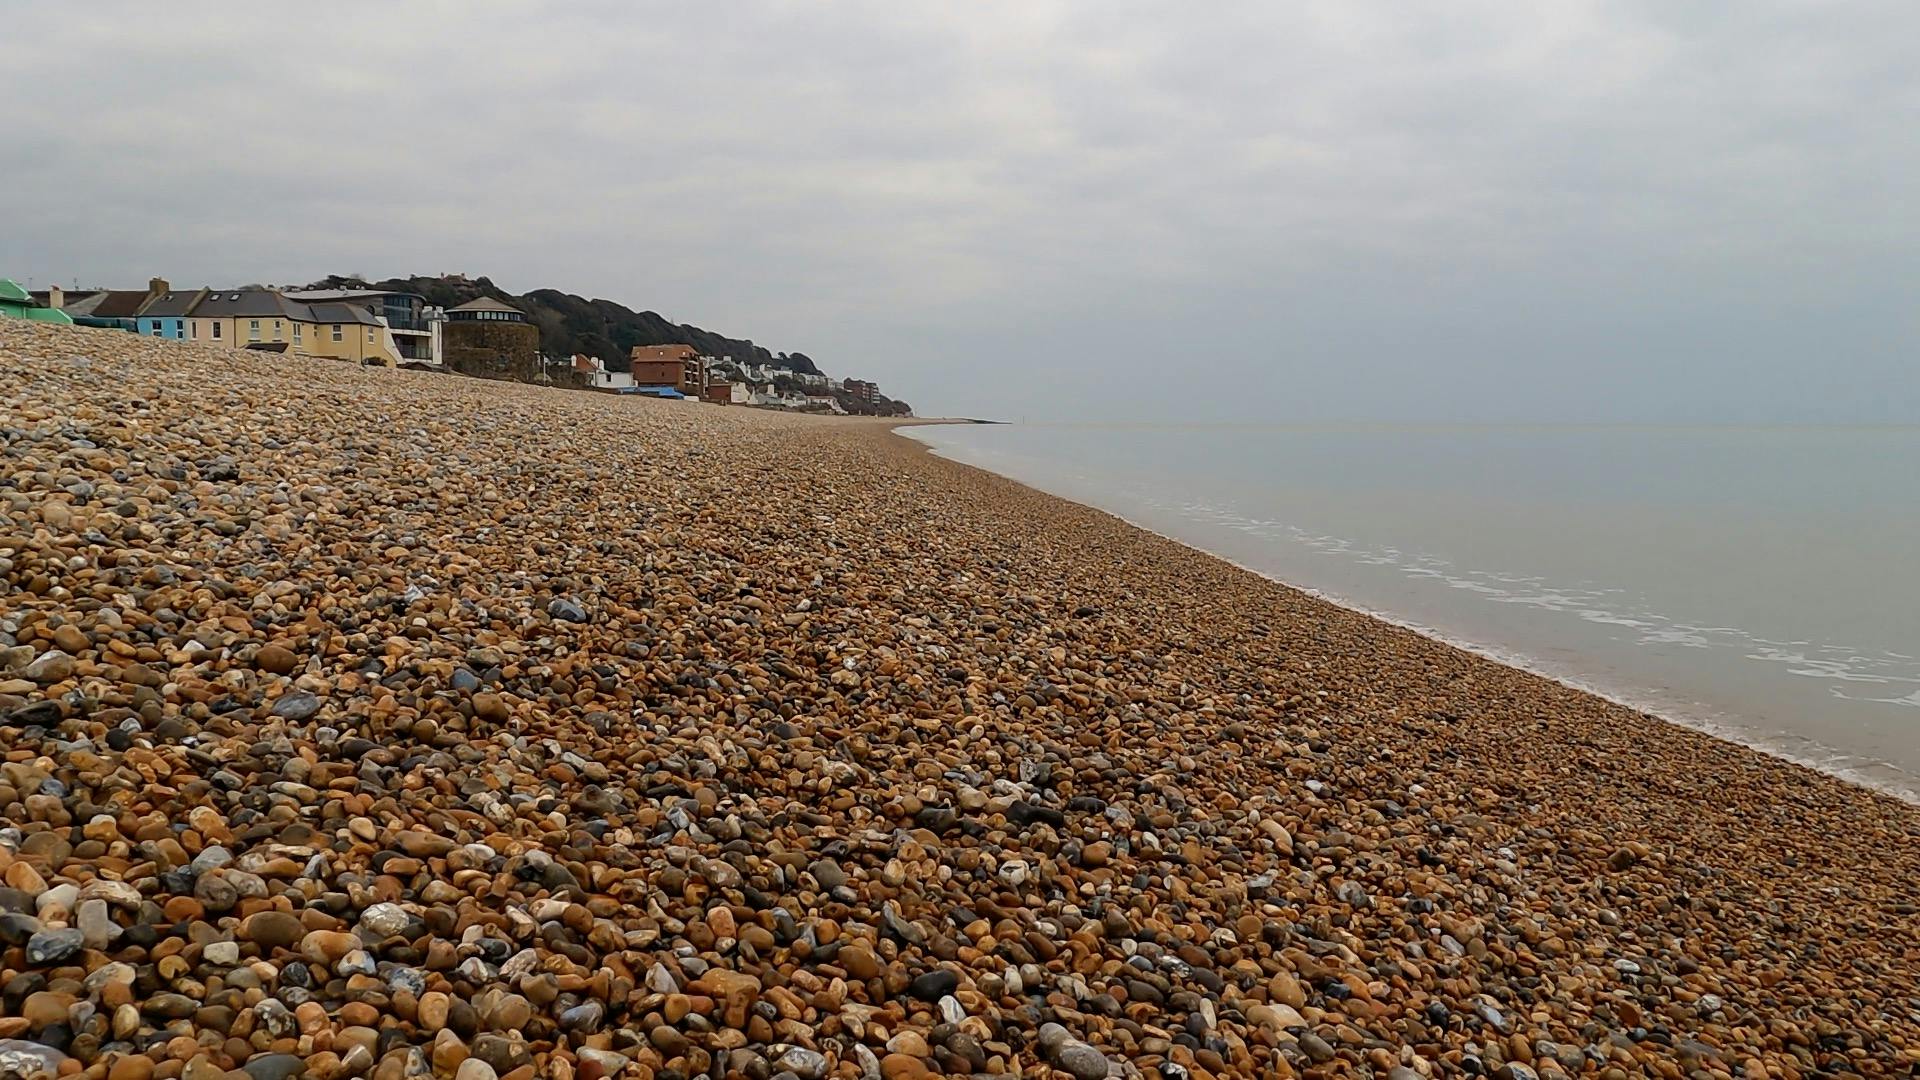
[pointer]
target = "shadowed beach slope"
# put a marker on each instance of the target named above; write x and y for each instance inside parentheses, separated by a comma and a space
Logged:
(375, 723)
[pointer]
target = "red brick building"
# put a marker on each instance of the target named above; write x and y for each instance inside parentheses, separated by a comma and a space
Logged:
(679, 366)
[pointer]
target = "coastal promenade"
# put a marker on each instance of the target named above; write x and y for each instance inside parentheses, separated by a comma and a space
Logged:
(383, 723)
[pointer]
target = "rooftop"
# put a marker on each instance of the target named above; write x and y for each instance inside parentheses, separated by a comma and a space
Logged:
(244, 303)
(173, 304)
(486, 303)
(309, 295)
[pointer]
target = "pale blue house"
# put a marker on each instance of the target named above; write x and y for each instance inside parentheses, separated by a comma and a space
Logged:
(168, 315)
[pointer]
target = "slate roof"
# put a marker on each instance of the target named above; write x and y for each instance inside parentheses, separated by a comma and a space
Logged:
(486, 303)
(117, 303)
(336, 313)
(95, 303)
(311, 295)
(173, 305)
(244, 304)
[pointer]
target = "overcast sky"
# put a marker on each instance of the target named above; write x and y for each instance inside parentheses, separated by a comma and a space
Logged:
(1629, 211)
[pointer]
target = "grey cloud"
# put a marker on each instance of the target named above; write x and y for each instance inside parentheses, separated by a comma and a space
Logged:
(1479, 211)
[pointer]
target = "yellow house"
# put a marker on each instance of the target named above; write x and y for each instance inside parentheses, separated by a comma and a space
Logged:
(264, 319)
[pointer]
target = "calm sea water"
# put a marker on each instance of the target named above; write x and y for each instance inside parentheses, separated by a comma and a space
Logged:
(1762, 583)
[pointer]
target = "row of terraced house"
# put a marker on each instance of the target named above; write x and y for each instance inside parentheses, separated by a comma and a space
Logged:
(366, 326)
(681, 371)
(483, 337)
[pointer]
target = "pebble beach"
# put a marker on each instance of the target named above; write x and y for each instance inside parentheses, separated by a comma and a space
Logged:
(371, 723)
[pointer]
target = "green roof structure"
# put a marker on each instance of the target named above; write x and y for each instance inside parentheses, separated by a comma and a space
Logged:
(16, 304)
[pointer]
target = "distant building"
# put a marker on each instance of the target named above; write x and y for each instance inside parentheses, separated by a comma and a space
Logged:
(492, 340)
(679, 366)
(267, 320)
(770, 396)
(167, 315)
(723, 392)
(238, 318)
(659, 365)
(864, 392)
(592, 371)
(17, 303)
(115, 309)
(415, 326)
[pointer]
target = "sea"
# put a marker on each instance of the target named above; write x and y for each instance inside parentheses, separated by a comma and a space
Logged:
(1759, 583)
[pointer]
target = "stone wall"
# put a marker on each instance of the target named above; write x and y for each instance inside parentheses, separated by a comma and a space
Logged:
(493, 350)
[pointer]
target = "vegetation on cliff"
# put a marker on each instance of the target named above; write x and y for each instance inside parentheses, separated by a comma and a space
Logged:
(572, 324)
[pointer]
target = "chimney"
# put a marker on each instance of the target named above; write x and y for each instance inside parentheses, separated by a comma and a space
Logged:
(158, 287)
(56, 297)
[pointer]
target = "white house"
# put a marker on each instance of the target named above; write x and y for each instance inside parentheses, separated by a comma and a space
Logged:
(597, 374)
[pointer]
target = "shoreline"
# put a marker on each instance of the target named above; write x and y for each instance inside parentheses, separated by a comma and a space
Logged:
(573, 736)
(1518, 661)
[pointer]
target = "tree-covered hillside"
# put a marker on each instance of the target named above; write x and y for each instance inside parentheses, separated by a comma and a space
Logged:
(571, 324)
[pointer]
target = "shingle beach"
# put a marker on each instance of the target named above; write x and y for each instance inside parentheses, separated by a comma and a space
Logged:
(381, 724)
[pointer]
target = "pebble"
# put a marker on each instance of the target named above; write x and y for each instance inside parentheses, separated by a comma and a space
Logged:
(296, 706)
(1081, 1060)
(803, 1063)
(934, 985)
(54, 946)
(904, 1067)
(51, 666)
(384, 920)
(28, 1059)
(327, 946)
(276, 658)
(386, 724)
(272, 930)
(96, 925)
(274, 1067)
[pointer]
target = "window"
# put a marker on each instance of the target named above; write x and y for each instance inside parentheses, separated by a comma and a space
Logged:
(193, 330)
(369, 335)
(276, 329)
(179, 328)
(216, 330)
(296, 333)
(253, 330)
(336, 332)
(156, 327)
